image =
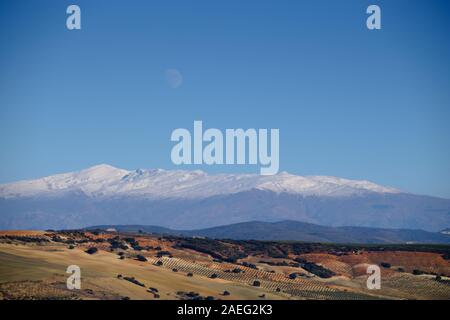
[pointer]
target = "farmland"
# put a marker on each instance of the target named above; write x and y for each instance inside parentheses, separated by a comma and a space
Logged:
(117, 266)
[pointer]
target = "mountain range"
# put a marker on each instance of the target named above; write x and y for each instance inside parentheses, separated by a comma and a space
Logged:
(294, 230)
(194, 199)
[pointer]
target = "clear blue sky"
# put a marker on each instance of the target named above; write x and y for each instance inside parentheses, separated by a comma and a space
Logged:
(349, 102)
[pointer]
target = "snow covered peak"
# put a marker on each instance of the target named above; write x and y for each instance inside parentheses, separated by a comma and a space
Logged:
(100, 172)
(103, 167)
(107, 181)
(89, 181)
(321, 185)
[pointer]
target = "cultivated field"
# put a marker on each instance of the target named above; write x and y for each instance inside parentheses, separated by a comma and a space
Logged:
(143, 266)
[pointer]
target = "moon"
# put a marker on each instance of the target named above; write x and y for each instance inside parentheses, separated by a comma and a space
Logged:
(174, 78)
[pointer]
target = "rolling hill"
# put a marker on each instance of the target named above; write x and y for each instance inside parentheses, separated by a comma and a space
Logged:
(295, 230)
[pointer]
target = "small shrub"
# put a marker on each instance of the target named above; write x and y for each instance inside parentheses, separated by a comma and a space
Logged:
(315, 268)
(92, 250)
(133, 280)
(141, 258)
(116, 244)
(160, 254)
(249, 265)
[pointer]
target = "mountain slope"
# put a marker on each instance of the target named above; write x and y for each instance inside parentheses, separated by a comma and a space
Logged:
(194, 199)
(295, 230)
(105, 180)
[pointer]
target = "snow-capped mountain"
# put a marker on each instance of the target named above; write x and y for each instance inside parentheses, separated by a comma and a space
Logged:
(193, 199)
(107, 181)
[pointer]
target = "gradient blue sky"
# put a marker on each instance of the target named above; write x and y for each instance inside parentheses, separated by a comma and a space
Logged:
(349, 102)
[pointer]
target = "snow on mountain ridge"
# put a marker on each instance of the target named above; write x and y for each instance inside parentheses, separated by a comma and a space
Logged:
(88, 181)
(104, 180)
